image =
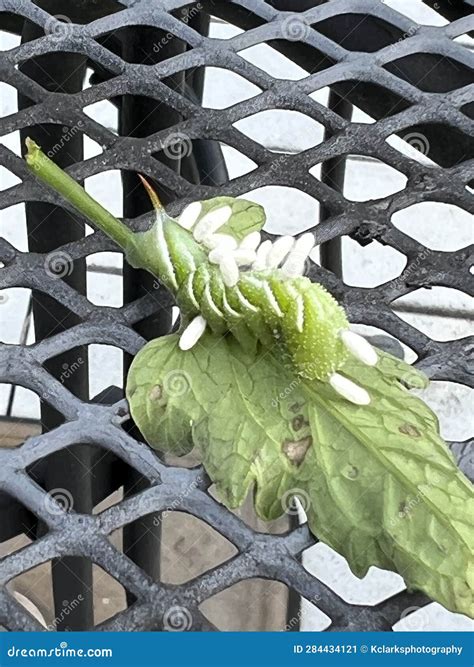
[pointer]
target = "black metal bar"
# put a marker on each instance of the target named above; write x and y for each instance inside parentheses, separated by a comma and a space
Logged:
(49, 227)
(332, 173)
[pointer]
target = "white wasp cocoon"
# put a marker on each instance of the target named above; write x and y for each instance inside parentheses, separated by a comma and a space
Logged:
(251, 241)
(211, 222)
(349, 390)
(293, 269)
(359, 347)
(244, 256)
(229, 270)
(295, 261)
(218, 254)
(220, 241)
(190, 214)
(279, 251)
(192, 333)
(261, 258)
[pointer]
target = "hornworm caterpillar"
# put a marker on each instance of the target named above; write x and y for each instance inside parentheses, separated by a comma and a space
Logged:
(382, 455)
(253, 290)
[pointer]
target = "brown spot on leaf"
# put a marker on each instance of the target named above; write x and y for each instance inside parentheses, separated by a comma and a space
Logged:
(295, 450)
(409, 429)
(298, 422)
(295, 407)
(156, 393)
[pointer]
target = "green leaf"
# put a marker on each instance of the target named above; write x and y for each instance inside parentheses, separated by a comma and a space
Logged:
(242, 410)
(247, 216)
(397, 498)
(377, 482)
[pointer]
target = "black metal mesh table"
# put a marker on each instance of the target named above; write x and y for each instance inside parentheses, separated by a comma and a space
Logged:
(414, 81)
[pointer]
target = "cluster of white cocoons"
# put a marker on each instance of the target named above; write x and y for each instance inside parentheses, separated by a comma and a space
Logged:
(287, 253)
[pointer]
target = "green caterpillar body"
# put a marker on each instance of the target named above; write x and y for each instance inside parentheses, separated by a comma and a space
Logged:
(297, 317)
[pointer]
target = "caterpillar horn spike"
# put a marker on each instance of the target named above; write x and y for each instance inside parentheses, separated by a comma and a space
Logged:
(155, 200)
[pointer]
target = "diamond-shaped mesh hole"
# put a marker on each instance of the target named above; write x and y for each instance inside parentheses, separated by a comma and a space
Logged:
(437, 225)
(280, 202)
(368, 179)
(146, 48)
(349, 31)
(371, 265)
(110, 597)
(190, 547)
(393, 101)
(224, 88)
(255, 604)
(432, 72)
(84, 466)
(282, 131)
(273, 63)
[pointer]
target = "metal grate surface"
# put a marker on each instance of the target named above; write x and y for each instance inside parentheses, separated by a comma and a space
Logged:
(385, 82)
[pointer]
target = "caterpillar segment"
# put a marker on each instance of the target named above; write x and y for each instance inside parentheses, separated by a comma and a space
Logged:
(254, 291)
